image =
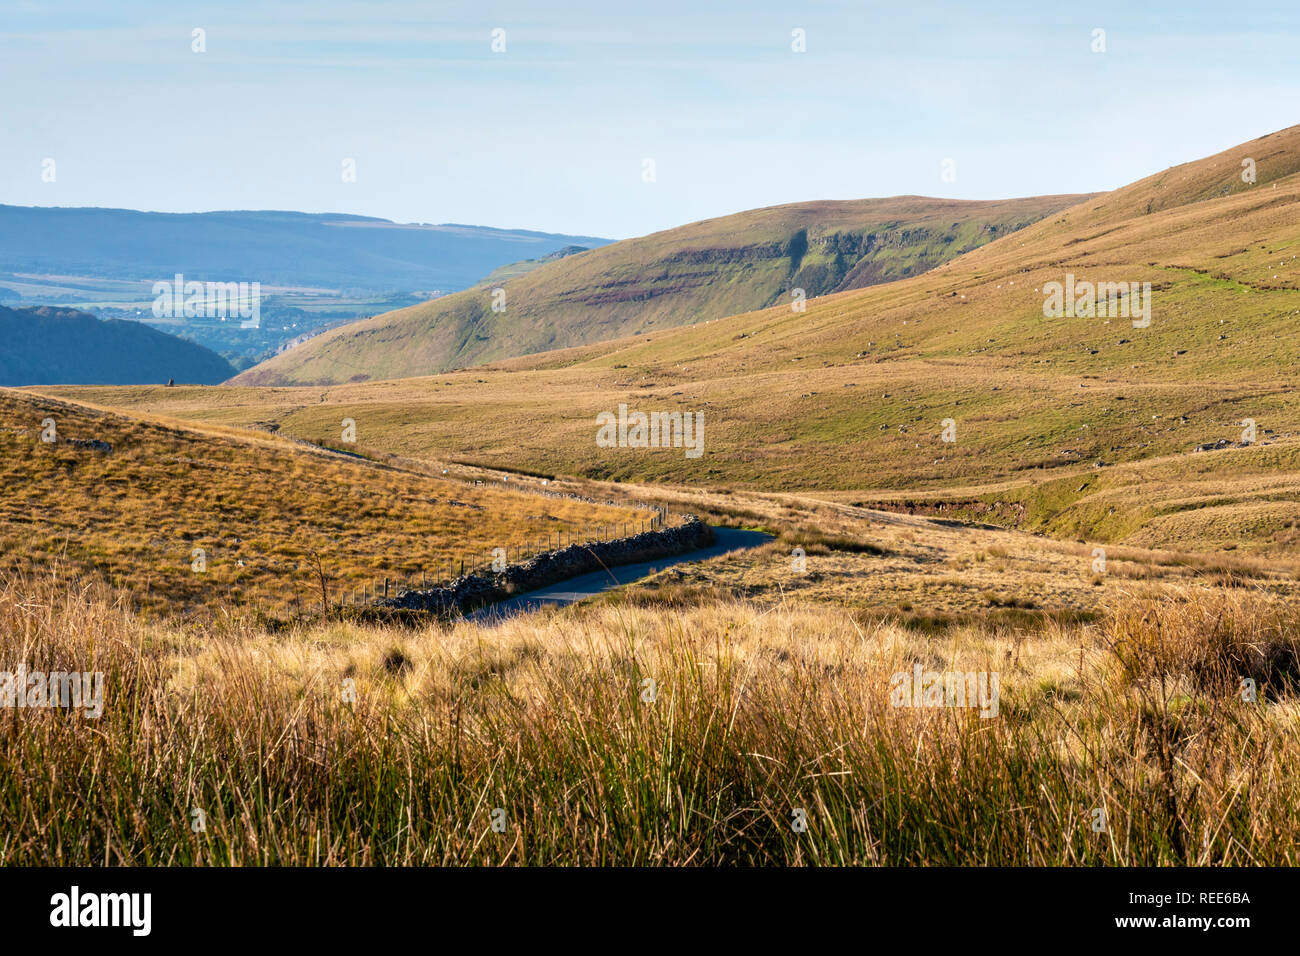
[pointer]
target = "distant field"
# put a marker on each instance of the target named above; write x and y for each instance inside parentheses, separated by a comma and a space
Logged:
(1006, 468)
(262, 510)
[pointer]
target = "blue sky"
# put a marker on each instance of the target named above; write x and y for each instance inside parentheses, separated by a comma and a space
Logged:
(553, 133)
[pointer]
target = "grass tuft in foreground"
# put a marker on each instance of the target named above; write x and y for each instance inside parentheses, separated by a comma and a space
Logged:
(349, 744)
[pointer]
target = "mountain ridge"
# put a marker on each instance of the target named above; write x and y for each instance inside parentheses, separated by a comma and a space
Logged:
(274, 247)
(703, 270)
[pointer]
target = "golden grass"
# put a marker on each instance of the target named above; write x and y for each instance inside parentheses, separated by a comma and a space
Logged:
(345, 745)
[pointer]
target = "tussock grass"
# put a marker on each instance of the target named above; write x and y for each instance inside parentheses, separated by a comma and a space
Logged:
(1210, 644)
(940, 623)
(815, 541)
(666, 594)
(756, 715)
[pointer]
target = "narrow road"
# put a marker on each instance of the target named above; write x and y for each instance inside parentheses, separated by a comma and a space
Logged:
(726, 540)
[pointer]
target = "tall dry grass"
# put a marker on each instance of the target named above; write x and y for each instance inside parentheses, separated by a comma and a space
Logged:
(757, 714)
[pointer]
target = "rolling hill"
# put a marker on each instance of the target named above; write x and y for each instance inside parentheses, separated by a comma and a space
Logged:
(705, 270)
(62, 346)
(1081, 426)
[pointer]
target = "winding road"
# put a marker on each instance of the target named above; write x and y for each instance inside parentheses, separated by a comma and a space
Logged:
(726, 540)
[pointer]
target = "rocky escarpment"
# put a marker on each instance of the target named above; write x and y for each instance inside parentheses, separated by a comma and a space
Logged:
(470, 591)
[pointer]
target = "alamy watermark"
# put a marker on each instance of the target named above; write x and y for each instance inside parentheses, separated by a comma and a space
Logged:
(1105, 299)
(63, 689)
(653, 430)
(128, 910)
(178, 298)
(922, 688)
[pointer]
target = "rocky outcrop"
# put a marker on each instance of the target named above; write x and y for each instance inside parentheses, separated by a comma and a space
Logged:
(471, 591)
(89, 444)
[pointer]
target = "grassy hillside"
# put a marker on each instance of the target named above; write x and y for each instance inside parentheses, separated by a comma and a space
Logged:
(60, 346)
(261, 508)
(705, 270)
(1085, 427)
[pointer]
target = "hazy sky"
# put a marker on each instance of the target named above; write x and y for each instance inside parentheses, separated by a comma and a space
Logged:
(553, 133)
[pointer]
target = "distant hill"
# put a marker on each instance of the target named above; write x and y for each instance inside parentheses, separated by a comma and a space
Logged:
(327, 250)
(47, 346)
(705, 270)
